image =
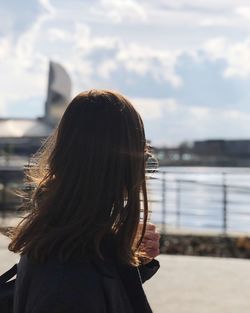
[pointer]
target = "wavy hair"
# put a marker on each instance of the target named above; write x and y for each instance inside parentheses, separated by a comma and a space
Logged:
(88, 179)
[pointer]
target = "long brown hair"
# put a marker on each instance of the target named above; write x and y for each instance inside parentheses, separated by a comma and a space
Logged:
(87, 177)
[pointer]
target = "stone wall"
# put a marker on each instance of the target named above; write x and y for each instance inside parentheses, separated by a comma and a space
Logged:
(206, 245)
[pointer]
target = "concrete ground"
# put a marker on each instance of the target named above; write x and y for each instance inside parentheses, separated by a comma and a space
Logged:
(187, 284)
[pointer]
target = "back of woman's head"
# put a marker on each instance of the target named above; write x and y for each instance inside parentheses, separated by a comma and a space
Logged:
(89, 176)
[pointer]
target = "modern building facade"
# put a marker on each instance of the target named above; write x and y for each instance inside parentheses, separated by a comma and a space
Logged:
(20, 138)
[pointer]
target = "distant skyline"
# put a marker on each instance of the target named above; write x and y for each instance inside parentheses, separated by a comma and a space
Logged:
(185, 65)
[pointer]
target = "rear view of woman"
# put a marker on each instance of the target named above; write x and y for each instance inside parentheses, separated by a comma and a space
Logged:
(82, 246)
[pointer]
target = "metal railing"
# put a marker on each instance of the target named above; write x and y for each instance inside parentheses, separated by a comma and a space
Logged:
(180, 203)
(176, 201)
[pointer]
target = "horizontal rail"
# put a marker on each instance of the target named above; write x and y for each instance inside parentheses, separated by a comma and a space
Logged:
(200, 200)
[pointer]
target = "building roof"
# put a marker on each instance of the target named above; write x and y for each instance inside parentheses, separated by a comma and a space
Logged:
(20, 128)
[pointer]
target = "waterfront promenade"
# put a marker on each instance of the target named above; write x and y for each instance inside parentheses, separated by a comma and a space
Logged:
(187, 284)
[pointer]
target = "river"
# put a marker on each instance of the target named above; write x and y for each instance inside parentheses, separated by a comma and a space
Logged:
(201, 198)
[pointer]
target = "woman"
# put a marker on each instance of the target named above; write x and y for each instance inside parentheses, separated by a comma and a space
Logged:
(82, 246)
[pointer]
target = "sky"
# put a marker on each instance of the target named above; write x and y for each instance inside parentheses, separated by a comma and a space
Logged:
(184, 64)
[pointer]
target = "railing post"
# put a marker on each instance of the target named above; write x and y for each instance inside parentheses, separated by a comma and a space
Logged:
(178, 203)
(163, 221)
(224, 188)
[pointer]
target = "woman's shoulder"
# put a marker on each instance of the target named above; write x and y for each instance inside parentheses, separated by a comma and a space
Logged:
(53, 267)
(58, 285)
(87, 272)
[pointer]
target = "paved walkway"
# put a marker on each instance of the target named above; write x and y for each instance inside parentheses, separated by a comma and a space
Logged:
(200, 285)
(187, 284)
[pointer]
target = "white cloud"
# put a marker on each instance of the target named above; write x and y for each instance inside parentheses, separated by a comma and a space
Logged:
(236, 54)
(56, 34)
(5, 47)
(48, 7)
(235, 115)
(144, 60)
(201, 4)
(174, 122)
(24, 66)
(106, 68)
(151, 108)
(119, 11)
(114, 55)
(168, 122)
(145, 43)
(216, 21)
(243, 11)
(26, 59)
(215, 47)
(200, 113)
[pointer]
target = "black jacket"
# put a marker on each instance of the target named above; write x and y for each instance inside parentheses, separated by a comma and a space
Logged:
(85, 287)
